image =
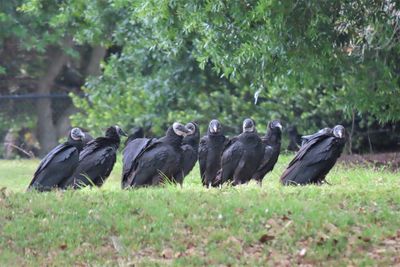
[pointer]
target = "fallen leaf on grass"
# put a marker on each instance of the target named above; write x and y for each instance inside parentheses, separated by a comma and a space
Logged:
(322, 238)
(389, 242)
(239, 211)
(365, 239)
(233, 239)
(167, 253)
(265, 238)
(332, 228)
(272, 223)
(302, 252)
(117, 244)
(287, 224)
(191, 251)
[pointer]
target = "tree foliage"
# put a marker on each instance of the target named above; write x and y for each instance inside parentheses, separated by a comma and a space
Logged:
(312, 63)
(185, 59)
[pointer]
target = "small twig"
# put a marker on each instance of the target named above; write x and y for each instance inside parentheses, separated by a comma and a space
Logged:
(29, 154)
(369, 141)
(352, 131)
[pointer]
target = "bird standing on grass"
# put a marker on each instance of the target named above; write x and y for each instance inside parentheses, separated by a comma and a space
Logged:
(210, 152)
(97, 159)
(242, 156)
(59, 164)
(149, 162)
(316, 157)
(190, 150)
(272, 148)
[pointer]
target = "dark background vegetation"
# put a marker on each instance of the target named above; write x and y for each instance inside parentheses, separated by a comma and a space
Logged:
(148, 63)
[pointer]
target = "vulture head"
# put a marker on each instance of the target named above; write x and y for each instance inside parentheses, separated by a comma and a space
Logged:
(275, 125)
(180, 129)
(214, 127)
(192, 128)
(339, 131)
(249, 126)
(76, 134)
(115, 132)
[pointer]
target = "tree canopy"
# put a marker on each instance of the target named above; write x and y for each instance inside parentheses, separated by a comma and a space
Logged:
(309, 63)
(184, 59)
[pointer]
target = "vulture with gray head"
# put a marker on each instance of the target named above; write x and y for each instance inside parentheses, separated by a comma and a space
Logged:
(316, 157)
(210, 152)
(190, 149)
(242, 156)
(149, 162)
(97, 159)
(59, 164)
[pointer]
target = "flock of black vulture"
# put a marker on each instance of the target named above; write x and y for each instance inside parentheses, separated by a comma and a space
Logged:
(153, 161)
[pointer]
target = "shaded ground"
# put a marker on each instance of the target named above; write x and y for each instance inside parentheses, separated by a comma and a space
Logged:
(390, 161)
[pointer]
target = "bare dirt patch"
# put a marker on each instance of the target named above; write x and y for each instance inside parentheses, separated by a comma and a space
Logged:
(390, 160)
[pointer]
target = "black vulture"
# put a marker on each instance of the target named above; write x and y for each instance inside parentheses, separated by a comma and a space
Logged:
(152, 161)
(242, 157)
(315, 158)
(294, 138)
(190, 149)
(97, 159)
(325, 131)
(272, 149)
(131, 152)
(88, 138)
(136, 133)
(59, 164)
(210, 152)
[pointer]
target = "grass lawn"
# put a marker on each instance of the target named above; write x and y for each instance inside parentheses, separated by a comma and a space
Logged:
(356, 221)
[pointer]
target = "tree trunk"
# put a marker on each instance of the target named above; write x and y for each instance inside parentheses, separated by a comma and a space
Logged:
(92, 69)
(97, 55)
(46, 130)
(63, 124)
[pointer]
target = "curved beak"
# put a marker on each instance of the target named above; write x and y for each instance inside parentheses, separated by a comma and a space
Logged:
(279, 125)
(191, 130)
(213, 127)
(121, 132)
(81, 135)
(183, 129)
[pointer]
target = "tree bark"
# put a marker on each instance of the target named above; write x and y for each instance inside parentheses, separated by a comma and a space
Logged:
(46, 130)
(97, 55)
(63, 124)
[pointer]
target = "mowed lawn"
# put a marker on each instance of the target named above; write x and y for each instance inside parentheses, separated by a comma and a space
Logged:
(355, 221)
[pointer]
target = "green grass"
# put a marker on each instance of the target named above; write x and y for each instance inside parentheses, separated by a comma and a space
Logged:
(356, 221)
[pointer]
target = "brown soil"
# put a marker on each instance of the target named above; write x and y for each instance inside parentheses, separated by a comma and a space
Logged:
(389, 160)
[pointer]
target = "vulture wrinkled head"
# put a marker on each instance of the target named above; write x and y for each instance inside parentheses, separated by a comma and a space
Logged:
(180, 129)
(339, 131)
(115, 131)
(192, 127)
(76, 134)
(249, 126)
(275, 125)
(214, 127)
